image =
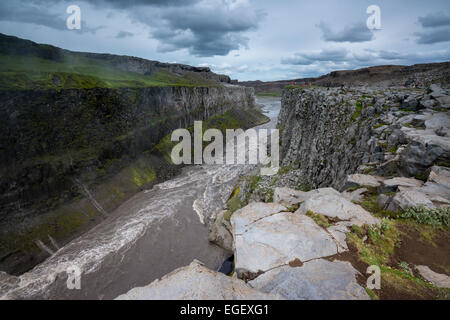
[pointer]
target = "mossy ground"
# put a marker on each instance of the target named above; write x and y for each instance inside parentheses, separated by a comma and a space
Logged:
(385, 247)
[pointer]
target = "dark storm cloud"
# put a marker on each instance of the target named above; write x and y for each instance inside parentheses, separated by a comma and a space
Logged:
(124, 34)
(308, 58)
(434, 20)
(357, 32)
(31, 12)
(433, 36)
(208, 29)
(437, 28)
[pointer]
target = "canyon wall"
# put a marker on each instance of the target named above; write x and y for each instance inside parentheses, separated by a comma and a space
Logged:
(325, 135)
(71, 156)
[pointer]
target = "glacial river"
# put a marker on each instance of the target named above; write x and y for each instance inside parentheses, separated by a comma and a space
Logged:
(150, 235)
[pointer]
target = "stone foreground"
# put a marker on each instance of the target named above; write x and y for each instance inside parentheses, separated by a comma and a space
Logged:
(281, 254)
(196, 282)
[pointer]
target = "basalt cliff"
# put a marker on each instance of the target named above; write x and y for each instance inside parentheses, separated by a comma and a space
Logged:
(81, 133)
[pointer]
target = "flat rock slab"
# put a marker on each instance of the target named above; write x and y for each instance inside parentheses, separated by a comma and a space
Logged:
(196, 282)
(439, 280)
(403, 182)
(364, 180)
(408, 198)
(290, 197)
(336, 206)
(315, 280)
(278, 239)
(356, 195)
(243, 218)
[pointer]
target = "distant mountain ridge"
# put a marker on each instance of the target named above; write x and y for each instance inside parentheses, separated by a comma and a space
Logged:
(419, 75)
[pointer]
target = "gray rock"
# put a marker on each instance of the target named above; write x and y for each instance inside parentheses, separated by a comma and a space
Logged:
(397, 137)
(288, 197)
(196, 282)
(411, 104)
(315, 280)
(275, 240)
(440, 175)
(383, 201)
(339, 233)
(439, 280)
(429, 103)
(242, 219)
(363, 180)
(408, 198)
(394, 183)
(356, 195)
(336, 206)
(220, 234)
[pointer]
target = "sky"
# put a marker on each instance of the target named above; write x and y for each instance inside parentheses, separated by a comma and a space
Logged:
(245, 39)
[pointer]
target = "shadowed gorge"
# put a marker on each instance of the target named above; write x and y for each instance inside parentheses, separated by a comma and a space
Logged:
(104, 134)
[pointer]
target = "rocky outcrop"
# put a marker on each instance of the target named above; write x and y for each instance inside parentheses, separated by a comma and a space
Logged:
(266, 237)
(351, 137)
(284, 253)
(420, 75)
(324, 134)
(279, 253)
(315, 280)
(439, 280)
(196, 282)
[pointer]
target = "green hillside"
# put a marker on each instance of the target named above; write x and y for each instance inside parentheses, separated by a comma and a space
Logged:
(27, 65)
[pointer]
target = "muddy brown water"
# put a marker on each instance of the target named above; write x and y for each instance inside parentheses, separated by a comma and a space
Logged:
(148, 236)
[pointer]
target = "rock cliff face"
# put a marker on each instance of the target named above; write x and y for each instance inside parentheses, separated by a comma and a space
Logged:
(324, 134)
(70, 156)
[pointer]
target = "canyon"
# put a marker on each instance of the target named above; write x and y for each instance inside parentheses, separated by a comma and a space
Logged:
(364, 184)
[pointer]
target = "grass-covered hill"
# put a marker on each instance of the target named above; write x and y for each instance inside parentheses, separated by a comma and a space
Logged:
(27, 65)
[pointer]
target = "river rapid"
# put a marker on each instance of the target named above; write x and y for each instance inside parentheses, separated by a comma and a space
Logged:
(148, 236)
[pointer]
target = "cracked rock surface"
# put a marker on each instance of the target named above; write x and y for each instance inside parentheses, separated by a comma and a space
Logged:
(196, 282)
(315, 280)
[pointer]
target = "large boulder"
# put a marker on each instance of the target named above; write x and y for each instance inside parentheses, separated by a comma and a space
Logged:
(196, 282)
(391, 185)
(408, 198)
(288, 197)
(439, 280)
(363, 180)
(242, 219)
(440, 175)
(315, 280)
(273, 240)
(336, 206)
